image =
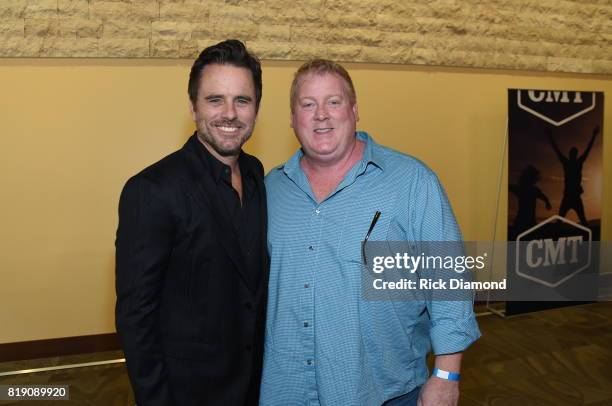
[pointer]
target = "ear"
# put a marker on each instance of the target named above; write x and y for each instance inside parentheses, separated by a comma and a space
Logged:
(356, 112)
(192, 110)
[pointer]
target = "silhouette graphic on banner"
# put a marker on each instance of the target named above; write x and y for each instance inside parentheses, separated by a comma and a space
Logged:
(572, 170)
(528, 193)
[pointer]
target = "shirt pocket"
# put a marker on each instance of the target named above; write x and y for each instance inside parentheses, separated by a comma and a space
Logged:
(353, 246)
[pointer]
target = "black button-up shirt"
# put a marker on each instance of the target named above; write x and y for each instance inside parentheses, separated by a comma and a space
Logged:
(245, 214)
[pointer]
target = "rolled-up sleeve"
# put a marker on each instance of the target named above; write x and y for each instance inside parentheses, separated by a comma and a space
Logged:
(453, 322)
(453, 327)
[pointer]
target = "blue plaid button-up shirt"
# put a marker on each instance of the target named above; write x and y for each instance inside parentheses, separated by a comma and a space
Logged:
(325, 344)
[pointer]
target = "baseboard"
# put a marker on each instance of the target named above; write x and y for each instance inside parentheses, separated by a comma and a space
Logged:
(59, 346)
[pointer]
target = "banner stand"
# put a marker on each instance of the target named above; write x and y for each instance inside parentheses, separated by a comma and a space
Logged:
(500, 313)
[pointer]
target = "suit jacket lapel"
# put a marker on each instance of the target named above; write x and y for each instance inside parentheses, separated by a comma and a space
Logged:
(204, 192)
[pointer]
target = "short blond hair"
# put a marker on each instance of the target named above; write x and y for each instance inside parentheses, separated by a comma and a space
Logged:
(320, 67)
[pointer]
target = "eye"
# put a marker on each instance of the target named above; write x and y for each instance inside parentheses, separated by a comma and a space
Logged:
(307, 104)
(214, 100)
(243, 101)
(335, 102)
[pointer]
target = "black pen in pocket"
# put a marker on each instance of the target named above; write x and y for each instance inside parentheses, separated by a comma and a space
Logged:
(367, 236)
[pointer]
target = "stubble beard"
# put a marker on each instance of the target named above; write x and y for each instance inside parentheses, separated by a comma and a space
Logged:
(206, 138)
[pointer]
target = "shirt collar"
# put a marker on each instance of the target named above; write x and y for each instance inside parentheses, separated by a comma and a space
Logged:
(218, 169)
(371, 154)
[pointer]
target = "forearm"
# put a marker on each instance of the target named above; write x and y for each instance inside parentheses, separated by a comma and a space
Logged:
(440, 391)
(449, 362)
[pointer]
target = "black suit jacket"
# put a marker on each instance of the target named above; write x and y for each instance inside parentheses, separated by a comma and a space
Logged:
(190, 320)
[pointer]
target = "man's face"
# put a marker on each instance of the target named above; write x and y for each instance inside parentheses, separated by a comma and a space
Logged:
(225, 111)
(324, 119)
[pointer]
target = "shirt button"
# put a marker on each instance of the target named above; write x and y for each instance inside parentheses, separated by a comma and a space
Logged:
(306, 285)
(309, 361)
(311, 247)
(317, 210)
(305, 324)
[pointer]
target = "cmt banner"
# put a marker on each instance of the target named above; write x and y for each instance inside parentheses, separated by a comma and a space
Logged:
(555, 188)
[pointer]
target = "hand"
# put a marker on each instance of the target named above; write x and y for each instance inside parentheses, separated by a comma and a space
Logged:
(439, 392)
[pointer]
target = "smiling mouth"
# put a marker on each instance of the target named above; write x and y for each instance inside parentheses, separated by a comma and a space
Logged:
(323, 130)
(228, 129)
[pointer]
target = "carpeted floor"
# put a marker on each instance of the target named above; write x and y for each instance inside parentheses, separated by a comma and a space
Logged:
(555, 357)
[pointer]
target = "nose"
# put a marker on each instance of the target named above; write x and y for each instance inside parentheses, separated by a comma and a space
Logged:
(321, 113)
(229, 112)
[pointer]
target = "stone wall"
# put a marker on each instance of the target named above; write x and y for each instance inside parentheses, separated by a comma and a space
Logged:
(543, 35)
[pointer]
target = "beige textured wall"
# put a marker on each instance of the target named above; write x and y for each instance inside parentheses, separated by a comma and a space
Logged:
(543, 35)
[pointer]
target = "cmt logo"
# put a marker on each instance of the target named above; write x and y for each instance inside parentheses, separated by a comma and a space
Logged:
(553, 251)
(550, 252)
(556, 107)
(552, 96)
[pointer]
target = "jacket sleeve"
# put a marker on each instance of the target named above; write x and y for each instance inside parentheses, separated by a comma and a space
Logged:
(143, 246)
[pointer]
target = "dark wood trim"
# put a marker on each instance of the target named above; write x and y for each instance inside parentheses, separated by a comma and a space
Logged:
(484, 302)
(59, 346)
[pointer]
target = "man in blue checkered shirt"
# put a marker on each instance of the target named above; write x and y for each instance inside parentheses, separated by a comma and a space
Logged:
(325, 343)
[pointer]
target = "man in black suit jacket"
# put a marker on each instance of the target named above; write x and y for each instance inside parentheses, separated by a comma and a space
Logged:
(191, 261)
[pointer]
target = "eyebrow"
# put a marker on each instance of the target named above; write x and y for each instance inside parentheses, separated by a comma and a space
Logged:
(220, 96)
(213, 96)
(326, 97)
